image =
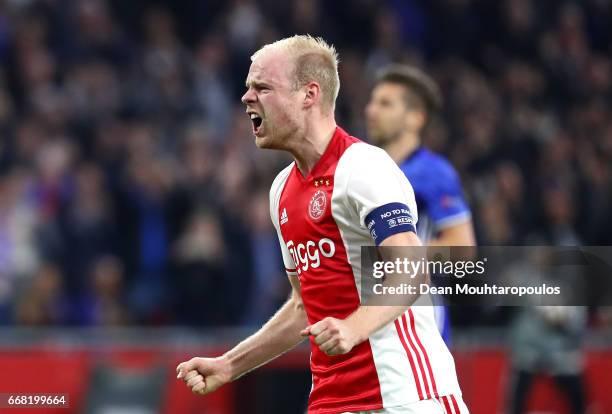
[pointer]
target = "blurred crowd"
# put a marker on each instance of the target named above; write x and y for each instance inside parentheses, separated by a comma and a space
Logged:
(131, 191)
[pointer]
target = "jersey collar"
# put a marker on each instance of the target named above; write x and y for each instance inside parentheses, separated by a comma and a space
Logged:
(413, 154)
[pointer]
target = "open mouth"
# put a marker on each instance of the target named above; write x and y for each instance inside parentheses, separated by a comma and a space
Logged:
(256, 120)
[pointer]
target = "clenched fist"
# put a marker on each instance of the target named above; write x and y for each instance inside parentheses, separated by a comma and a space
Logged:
(204, 375)
(333, 336)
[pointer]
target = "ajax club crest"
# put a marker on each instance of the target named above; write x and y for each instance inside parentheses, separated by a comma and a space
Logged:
(317, 205)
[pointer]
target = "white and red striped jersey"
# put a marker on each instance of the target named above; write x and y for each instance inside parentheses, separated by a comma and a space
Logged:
(322, 221)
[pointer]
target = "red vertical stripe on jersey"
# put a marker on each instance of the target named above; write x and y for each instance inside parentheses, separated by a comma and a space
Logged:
(441, 401)
(455, 405)
(414, 371)
(446, 405)
(433, 380)
(416, 352)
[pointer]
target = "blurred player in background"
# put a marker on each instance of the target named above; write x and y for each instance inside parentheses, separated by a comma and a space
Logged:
(325, 206)
(402, 103)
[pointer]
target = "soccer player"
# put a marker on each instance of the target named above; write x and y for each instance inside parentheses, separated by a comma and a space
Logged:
(326, 205)
(402, 102)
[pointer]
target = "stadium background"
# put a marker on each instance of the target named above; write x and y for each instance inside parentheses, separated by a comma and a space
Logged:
(134, 225)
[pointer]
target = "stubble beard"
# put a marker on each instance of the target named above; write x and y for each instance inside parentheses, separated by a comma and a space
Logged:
(380, 138)
(278, 138)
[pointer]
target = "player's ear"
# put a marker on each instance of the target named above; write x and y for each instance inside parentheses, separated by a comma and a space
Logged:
(312, 94)
(415, 120)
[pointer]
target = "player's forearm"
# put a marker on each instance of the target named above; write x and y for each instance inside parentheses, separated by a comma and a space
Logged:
(366, 320)
(278, 335)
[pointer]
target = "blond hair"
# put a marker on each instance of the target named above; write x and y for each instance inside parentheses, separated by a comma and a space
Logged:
(314, 60)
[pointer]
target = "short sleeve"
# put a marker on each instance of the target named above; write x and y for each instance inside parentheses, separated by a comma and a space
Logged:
(379, 192)
(446, 204)
(287, 258)
(275, 194)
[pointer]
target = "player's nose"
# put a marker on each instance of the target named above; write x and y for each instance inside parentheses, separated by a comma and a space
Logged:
(369, 110)
(248, 97)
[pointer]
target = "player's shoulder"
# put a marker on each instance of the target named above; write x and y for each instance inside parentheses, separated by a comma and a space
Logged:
(368, 167)
(433, 162)
(279, 182)
(364, 156)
